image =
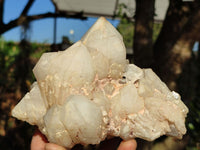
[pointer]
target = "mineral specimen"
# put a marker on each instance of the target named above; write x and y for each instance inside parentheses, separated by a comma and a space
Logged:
(90, 91)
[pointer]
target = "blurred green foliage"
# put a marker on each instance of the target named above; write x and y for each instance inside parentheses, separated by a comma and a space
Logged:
(10, 55)
(126, 28)
(8, 52)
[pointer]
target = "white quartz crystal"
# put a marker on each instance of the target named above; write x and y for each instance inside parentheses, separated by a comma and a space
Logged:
(89, 92)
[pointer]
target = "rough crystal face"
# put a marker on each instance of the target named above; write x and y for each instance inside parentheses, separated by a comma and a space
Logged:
(90, 91)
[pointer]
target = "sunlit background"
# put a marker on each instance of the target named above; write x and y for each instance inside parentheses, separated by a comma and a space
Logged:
(42, 30)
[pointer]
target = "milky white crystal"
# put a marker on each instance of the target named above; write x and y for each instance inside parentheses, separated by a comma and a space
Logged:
(89, 91)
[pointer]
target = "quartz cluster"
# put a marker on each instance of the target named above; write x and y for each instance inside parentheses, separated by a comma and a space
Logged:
(90, 91)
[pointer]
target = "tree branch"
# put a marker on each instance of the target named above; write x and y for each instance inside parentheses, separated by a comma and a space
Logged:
(19, 21)
(1, 12)
(27, 7)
